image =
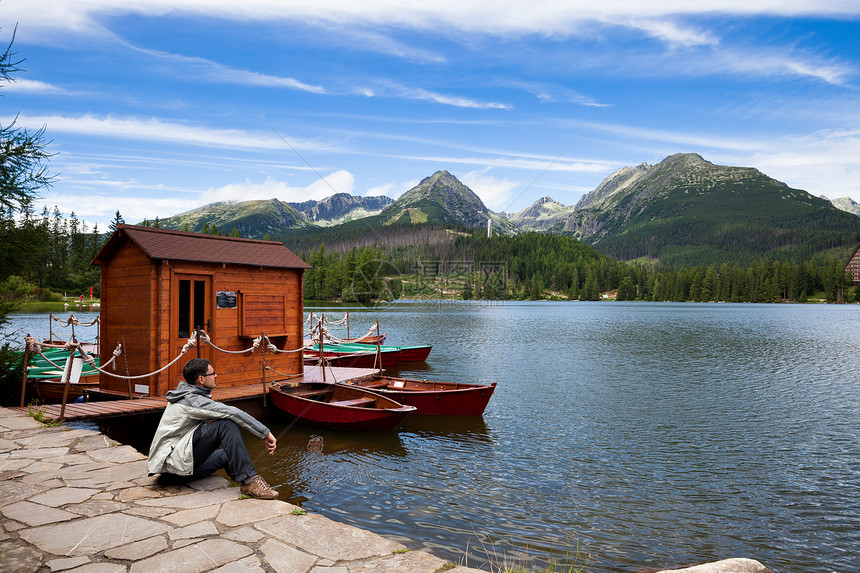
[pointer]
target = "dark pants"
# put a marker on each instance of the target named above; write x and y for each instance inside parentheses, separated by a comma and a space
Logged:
(232, 455)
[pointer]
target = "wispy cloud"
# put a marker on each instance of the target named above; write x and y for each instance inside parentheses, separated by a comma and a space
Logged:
(499, 17)
(33, 87)
(94, 205)
(157, 130)
(337, 182)
(495, 192)
(826, 162)
(213, 71)
(768, 62)
(672, 33)
(396, 90)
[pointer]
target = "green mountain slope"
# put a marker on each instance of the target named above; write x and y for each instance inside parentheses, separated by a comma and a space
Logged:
(252, 219)
(688, 211)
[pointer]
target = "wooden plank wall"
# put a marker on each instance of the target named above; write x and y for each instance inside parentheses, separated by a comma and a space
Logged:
(268, 301)
(126, 312)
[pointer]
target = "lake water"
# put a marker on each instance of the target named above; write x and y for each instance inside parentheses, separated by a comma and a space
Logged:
(655, 434)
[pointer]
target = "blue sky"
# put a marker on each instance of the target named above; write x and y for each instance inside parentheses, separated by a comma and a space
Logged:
(156, 107)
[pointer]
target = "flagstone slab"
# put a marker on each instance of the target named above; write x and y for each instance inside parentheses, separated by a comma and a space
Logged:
(282, 558)
(34, 514)
(139, 549)
(243, 535)
(43, 467)
(95, 442)
(245, 511)
(77, 460)
(95, 507)
(66, 563)
(87, 536)
(100, 568)
(21, 422)
(55, 438)
(9, 465)
(150, 512)
(409, 562)
(8, 445)
(14, 491)
(117, 455)
(76, 470)
(202, 529)
(64, 495)
(195, 558)
(137, 492)
(43, 454)
(209, 483)
(249, 564)
(13, 526)
(39, 478)
(110, 475)
(189, 516)
(18, 558)
(194, 500)
(325, 538)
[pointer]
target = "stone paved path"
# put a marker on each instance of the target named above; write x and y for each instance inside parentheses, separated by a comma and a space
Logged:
(74, 500)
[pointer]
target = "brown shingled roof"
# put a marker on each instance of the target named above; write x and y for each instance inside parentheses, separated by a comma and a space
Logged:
(177, 245)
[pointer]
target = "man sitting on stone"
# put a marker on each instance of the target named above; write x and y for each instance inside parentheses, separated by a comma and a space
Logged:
(192, 429)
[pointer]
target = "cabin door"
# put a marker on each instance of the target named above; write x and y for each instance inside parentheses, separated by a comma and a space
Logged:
(193, 309)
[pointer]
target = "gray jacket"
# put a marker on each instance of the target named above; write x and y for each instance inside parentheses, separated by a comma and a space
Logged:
(188, 407)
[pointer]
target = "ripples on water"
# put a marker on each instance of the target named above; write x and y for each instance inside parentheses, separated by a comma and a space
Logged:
(657, 434)
(660, 435)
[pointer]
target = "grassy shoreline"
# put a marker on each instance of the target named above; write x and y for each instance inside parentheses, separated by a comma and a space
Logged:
(70, 304)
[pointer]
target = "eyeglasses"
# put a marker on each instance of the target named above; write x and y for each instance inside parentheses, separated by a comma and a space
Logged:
(210, 374)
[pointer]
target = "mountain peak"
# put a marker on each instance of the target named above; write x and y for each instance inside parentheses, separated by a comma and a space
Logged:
(541, 215)
(440, 198)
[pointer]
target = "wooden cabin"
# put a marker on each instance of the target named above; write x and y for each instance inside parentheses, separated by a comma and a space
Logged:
(852, 267)
(158, 285)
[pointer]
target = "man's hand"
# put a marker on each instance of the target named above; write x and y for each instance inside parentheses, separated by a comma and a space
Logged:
(271, 443)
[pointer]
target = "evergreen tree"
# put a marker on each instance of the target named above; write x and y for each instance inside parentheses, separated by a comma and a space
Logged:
(117, 220)
(626, 290)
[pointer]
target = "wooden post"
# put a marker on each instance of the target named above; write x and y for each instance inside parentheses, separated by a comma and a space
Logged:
(67, 376)
(24, 376)
(378, 346)
(322, 358)
(263, 354)
(127, 376)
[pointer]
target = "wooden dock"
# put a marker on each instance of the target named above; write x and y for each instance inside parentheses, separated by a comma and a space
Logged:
(91, 411)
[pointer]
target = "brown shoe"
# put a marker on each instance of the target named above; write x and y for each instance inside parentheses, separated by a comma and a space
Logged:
(258, 488)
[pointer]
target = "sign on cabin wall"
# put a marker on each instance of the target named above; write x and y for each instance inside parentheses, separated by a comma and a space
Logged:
(225, 299)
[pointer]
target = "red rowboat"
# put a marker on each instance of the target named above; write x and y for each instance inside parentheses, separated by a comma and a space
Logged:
(365, 354)
(432, 398)
(336, 406)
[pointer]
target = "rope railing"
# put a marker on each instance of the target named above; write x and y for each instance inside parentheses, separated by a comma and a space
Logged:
(342, 340)
(261, 341)
(72, 320)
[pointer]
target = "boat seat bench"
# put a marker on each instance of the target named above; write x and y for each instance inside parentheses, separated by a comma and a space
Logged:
(354, 402)
(311, 393)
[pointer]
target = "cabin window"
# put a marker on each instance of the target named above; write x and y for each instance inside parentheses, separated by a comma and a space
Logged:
(192, 306)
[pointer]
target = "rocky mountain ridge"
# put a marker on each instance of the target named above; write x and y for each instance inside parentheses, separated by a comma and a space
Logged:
(684, 204)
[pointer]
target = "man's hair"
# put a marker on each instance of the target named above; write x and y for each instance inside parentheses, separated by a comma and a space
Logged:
(194, 369)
